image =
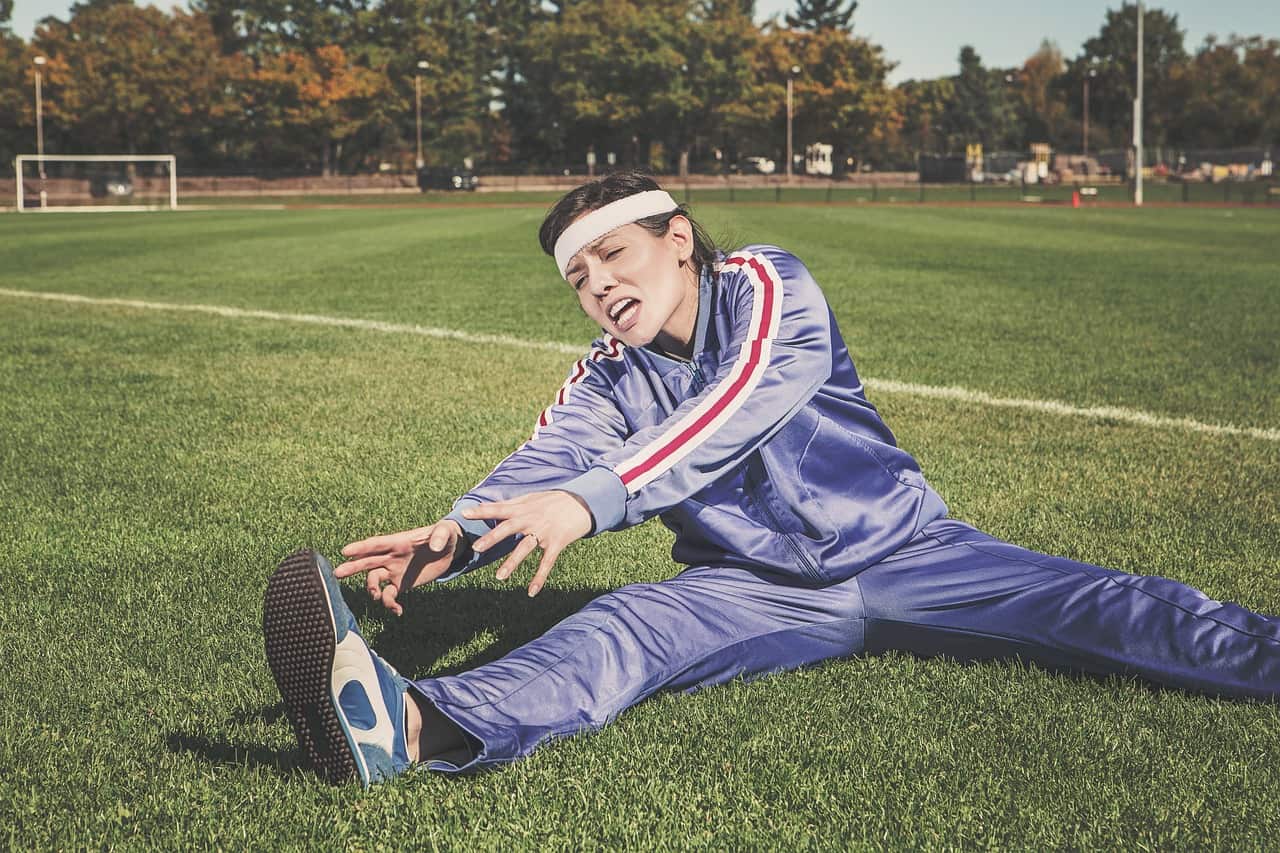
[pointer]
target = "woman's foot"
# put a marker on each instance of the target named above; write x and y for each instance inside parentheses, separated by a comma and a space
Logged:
(348, 707)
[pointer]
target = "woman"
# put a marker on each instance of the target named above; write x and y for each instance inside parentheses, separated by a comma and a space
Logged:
(721, 397)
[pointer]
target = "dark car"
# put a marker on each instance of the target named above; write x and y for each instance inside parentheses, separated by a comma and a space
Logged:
(110, 186)
(444, 178)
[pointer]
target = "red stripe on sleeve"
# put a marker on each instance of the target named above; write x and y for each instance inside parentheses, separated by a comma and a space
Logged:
(728, 394)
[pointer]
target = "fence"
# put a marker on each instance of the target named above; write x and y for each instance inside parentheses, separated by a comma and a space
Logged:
(898, 188)
(904, 192)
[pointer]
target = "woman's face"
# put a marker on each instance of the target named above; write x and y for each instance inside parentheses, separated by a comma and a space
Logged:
(638, 287)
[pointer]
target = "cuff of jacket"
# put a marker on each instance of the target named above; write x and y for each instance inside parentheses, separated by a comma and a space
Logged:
(472, 529)
(604, 494)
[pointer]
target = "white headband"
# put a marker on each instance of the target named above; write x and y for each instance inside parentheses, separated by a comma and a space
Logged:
(615, 214)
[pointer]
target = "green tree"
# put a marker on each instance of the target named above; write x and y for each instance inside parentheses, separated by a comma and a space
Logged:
(983, 108)
(841, 94)
(924, 104)
(815, 15)
(641, 79)
(1112, 54)
(17, 120)
(1233, 94)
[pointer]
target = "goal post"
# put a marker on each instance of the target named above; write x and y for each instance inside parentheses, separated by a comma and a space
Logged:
(59, 183)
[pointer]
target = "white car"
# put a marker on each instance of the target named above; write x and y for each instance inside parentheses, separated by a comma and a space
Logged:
(763, 165)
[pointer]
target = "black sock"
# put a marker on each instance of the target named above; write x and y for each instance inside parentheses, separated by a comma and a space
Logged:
(441, 739)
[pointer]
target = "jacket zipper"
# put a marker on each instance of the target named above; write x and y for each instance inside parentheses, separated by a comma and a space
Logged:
(806, 564)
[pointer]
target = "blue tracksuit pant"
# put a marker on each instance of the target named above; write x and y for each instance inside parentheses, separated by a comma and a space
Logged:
(952, 590)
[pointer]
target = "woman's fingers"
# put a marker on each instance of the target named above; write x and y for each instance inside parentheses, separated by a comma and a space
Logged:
(441, 536)
(387, 543)
(374, 580)
(523, 549)
(389, 593)
(355, 567)
(510, 527)
(370, 546)
(545, 565)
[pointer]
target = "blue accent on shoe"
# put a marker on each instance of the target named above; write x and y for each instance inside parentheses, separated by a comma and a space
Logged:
(356, 706)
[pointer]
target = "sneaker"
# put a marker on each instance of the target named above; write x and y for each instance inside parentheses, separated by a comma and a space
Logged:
(346, 704)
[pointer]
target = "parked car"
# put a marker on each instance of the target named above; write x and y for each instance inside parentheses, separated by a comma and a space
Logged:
(114, 186)
(445, 178)
(759, 165)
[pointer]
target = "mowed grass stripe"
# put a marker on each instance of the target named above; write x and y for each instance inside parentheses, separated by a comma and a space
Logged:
(1165, 311)
(890, 386)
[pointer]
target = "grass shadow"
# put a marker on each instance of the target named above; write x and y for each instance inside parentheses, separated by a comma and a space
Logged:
(224, 752)
(437, 620)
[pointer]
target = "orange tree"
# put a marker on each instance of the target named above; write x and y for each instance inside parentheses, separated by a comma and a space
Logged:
(303, 105)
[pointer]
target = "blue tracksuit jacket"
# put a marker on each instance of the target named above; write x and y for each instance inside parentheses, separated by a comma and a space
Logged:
(809, 535)
(762, 451)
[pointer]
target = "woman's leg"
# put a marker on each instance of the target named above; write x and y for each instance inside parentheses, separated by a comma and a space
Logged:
(956, 591)
(705, 626)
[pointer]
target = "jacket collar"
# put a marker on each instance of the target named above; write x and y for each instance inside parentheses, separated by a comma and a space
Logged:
(663, 363)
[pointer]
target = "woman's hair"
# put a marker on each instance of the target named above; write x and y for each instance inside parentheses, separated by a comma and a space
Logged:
(596, 194)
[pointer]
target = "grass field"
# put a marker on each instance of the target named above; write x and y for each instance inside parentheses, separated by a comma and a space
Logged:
(155, 465)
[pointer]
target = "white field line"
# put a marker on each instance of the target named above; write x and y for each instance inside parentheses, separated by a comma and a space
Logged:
(887, 386)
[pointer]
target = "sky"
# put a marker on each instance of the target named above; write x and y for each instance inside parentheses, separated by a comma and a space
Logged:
(924, 36)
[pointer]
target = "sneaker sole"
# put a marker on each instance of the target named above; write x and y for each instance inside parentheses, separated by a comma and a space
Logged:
(300, 638)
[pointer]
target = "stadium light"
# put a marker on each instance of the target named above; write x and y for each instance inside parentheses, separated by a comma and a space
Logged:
(423, 65)
(795, 69)
(39, 63)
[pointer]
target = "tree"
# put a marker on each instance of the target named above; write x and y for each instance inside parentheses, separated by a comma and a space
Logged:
(1112, 54)
(983, 108)
(128, 79)
(315, 99)
(924, 104)
(1233, 94)
(817, 15)
(841, 94)
(722, 56)
(639, 78)
(17, 112)
(1042, 113)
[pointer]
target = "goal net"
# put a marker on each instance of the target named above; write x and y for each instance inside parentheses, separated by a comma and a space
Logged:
(79, 182)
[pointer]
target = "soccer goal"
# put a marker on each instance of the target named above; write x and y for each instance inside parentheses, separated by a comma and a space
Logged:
(96, 182)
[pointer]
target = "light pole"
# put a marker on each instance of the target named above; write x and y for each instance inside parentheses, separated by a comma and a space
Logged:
(423, 65)
(1084, 132)
(39, 62)
(795, 69)
(1137, 122)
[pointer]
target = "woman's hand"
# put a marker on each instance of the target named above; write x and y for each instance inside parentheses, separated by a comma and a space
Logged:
(548, 520)
(401, 561)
